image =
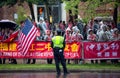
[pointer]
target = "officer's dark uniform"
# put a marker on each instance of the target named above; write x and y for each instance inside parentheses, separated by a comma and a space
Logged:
(0, 61)
(58, 45)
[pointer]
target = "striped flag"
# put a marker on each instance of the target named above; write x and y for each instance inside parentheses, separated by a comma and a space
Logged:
(26, 36)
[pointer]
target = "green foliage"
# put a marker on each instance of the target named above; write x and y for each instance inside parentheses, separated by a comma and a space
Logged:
(20, 11)
(118, 17)
(85, 20)
(7, 2)
(92, 5)
(2, 3)
(33, 1)
(71, 5)
(21, 14)
(13, 2)
(89, 8)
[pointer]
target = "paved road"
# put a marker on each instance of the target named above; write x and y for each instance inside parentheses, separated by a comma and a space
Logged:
(53, 75)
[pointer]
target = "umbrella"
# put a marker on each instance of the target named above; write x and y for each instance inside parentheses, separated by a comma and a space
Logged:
(8, 24)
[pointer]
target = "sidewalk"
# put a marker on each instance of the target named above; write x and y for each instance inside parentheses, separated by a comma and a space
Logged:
(72, 71)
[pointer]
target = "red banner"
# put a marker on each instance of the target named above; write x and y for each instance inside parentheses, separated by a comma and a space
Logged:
(102, 50)
(73, 50)
(39, 49)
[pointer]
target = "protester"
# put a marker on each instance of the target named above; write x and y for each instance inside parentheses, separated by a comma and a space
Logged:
(42, 26)
(91, 22)
(109, 31)
(103, 36)
(85, 28)
(68, 38)
(58, 45)
(13, 61)
(68, 35)
(29, 61)
(115, 37)
(47, 24)
(92, 37)
(81, 26)
(70, 24)
(5, 36)
(33, 60)
(2, 32)
(48, 37)
(8, 32)
(22, 23)
(1, 38)
(96, 26)
(79, 36)
(34, 23)
(64, 24)
(76, 36)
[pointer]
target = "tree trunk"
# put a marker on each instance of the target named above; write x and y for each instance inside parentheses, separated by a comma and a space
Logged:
(115, 15)
(47, 11)
(70, 16)
(31, 10)
(76, 15)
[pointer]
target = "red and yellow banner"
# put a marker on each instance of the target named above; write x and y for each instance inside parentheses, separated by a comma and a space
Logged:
(73, 50)
(39, 49)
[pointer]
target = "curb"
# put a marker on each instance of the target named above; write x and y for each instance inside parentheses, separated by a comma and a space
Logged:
(72, 71)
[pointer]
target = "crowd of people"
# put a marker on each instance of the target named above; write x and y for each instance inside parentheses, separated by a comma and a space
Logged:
(72, 31)
(5, 33)
(98, 31)
(95, 30)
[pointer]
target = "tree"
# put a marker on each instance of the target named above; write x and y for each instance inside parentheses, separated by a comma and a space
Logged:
(98, 3)
(21, 14)
(11, 3)
(72, 8)
(90, 7)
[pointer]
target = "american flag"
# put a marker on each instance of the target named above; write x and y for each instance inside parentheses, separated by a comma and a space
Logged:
(26, 36)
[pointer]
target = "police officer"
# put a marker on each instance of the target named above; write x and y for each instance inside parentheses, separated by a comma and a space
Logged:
(0, 61)
(58, 45)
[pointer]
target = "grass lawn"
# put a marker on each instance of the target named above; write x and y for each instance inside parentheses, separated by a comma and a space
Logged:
(52, 66)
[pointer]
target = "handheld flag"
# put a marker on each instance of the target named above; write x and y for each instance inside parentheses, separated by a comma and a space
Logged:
(26, 36)
(12, 37)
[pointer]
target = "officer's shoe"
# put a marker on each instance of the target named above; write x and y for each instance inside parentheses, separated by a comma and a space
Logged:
(58, 75)
(66, 73)
(32, 63)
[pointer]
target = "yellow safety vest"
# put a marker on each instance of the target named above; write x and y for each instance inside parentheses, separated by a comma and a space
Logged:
(58, 41)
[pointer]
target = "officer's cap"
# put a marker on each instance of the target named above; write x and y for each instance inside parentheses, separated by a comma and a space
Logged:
(59, 32)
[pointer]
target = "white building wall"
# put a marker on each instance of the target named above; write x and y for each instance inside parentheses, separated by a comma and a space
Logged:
(35, 12)
(63, 12)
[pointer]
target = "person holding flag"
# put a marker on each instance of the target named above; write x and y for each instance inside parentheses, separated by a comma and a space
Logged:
(27, 35)
(10, 37)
